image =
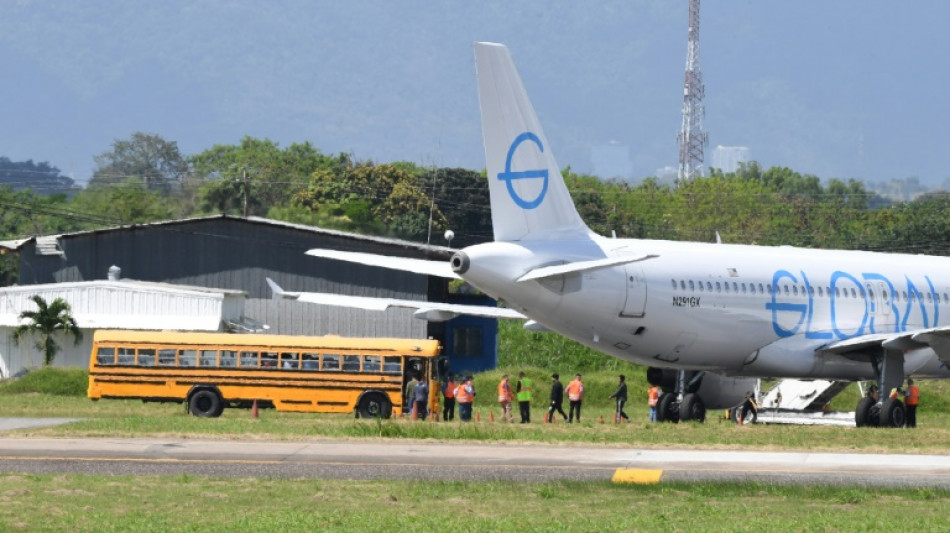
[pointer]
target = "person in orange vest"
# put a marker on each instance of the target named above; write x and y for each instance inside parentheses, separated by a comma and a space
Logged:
(505, 397)
(911, 398)
(464, 396)
(575, 395)
(448, 393)
(653, 395)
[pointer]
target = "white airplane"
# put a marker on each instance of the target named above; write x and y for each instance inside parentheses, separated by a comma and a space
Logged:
(707, 319)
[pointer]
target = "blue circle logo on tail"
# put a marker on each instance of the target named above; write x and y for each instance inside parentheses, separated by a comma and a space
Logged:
(508, 176)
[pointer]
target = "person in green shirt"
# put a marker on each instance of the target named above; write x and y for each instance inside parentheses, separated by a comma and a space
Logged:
(523, 393)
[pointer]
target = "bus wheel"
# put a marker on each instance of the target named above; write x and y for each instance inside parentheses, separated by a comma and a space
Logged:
(205, 404)
(375, 405)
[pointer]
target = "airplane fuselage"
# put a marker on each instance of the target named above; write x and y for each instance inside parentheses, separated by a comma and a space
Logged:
(740, 310)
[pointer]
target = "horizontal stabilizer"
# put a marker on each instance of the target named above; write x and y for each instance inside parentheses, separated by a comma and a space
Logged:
(581, 266)
(431, 311)
(425, 267)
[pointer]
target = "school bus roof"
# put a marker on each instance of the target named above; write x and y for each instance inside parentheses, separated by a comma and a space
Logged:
(328, 342)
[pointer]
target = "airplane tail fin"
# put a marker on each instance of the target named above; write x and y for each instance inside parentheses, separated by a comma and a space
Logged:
(529, 200)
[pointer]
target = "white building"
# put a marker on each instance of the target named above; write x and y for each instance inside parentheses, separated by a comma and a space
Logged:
(113, 304)
(727, 158)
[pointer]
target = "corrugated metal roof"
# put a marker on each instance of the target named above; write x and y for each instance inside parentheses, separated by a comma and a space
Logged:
(129, 304)
(409, 245)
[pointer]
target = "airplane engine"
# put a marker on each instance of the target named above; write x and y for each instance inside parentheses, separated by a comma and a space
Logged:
(716, 391)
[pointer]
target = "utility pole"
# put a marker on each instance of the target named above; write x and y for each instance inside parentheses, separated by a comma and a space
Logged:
(692, 138)
(245, 192)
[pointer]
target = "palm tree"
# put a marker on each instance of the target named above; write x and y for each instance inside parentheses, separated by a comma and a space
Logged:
(45, 321)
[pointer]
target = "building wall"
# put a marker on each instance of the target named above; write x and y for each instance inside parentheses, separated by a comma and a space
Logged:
(228, 253)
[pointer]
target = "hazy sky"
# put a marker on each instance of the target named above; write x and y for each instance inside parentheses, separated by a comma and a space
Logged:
(838, 89)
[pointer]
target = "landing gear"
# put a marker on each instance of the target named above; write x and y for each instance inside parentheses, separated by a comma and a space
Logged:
(867, 413)
(870, 411)
(668, 408)
(892, 413)
(692, 408)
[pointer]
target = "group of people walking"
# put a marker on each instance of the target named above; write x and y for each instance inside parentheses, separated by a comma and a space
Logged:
(460, 392)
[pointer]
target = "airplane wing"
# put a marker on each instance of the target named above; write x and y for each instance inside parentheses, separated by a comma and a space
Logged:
(441, 269)
(581, 266)
(938, 339)
(431, 311)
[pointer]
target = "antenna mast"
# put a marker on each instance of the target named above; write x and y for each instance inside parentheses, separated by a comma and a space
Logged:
(692, 138)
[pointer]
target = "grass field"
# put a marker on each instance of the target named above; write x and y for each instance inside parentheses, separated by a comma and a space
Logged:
(132, 418)
(193, 503)
(189, 503)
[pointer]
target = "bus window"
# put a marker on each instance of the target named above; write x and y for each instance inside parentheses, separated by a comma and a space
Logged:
(126, 356)
(105, 356)
(290, 360)
(248, 360)
(228, 358)
(371, 363)
(268, 359)
(187, 357)
(208, 358)
(166, 357)
(392, 364)
(146, 357)
(330, 362)
(311, 361)
(351, 363)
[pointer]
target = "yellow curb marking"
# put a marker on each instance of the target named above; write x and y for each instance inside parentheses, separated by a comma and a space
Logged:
(636, 475)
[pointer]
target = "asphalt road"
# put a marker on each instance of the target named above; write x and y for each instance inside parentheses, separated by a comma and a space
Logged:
(453, 461)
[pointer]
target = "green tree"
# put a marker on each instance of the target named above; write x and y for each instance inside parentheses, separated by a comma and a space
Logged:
(45, 322)
(124, 202)
(257, 175)
(145, 157)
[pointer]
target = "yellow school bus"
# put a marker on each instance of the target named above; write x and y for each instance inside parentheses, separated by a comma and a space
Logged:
(210, 371)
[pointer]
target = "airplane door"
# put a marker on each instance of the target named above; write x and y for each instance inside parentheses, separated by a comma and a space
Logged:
(636, 302)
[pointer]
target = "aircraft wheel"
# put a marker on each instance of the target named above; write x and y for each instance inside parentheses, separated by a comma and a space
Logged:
(892, 413)
(667, 408)
(862, 413)
(692, 408)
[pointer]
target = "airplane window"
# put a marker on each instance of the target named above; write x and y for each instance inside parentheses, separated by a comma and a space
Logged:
(769, 288)
(674, 284)
(752, 288)
(691, 287)
(700, 283)
(837, 292)
(811, 290)
(786, 288)
(718, 287)
(709, 286)
(761, 289)
(929, 298)
(682, 285)
(854, 293)
(884, 294)
(735, 287)
(870, 293)
(726, 285)
(743, 288)
(795, 290)
(904, 295)
(945, 298)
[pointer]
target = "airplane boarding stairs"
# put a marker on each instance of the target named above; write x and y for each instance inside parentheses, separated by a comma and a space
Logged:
(796, 401)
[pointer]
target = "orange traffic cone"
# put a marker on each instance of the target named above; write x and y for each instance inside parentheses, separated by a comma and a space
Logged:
(415, 415)
(491, 416)
(254, 409)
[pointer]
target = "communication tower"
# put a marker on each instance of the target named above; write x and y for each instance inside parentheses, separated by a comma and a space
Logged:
(692, 138)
